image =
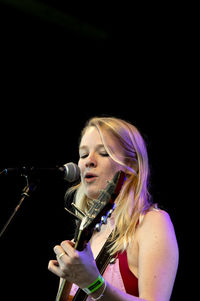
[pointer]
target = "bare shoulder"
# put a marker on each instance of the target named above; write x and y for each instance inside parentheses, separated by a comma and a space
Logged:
(158, 227)
(155, 218)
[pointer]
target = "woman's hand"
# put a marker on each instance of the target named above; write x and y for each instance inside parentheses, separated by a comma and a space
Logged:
(74, 266)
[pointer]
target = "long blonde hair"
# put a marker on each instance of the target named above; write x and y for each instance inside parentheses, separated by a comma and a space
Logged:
(134, 198)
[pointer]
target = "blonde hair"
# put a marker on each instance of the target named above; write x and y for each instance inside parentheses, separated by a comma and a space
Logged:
(134, 198)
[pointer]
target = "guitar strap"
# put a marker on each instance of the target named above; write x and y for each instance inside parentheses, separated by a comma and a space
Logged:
(102, 261)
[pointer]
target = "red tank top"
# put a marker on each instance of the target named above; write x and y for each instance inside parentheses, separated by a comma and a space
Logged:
(129, 279)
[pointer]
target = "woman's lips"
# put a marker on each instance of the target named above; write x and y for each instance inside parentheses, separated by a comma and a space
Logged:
(90, 177)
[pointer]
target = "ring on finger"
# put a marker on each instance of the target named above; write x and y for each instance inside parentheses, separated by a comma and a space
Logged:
(63, 253)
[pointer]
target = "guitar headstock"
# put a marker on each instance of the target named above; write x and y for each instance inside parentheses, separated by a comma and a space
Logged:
(100, 210)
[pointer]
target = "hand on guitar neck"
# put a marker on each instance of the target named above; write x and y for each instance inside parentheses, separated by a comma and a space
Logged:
(77, 267)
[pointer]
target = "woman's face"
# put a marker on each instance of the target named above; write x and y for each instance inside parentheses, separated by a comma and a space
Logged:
(96, 166)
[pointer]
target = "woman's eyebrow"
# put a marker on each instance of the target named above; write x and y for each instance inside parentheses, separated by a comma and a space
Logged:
(100, 146)
(86, 147)
(83, 147)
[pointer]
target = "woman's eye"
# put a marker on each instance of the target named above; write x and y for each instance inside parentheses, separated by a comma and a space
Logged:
(83, 156)
(104, 154)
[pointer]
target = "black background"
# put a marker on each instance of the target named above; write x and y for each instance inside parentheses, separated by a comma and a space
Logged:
(60, 65)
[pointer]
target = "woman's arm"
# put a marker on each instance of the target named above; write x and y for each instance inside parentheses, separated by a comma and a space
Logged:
(158, 256)
(80, 268)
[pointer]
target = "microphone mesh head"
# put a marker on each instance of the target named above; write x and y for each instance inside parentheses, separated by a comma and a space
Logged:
(72, 172)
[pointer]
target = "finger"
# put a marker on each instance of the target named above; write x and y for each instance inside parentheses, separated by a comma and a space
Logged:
(71, 242)
(53, 262)
(68, 247)
(61, 256)
(58, 250)
(54, 267)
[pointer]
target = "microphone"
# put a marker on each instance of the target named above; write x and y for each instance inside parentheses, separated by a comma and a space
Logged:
(69, 171)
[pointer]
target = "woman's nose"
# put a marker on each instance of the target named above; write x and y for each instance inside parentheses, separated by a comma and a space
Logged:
(91, 161)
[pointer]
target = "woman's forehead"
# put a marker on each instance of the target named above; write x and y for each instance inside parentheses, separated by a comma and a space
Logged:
(93, 136)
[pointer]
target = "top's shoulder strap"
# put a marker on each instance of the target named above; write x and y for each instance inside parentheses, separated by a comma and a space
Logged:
(104, 257)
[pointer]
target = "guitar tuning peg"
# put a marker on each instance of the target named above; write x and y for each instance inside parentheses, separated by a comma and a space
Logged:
(98, 227)
(104, 219)
(110, 212)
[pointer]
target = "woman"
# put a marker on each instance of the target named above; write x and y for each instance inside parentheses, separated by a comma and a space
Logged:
(142, 236)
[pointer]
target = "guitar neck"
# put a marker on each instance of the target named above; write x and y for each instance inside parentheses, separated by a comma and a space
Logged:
(64, 290)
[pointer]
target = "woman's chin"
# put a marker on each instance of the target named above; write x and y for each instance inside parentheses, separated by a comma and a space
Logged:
(93, 195)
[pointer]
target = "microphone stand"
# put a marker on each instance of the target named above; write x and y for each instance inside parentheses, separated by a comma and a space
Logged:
(26, 193)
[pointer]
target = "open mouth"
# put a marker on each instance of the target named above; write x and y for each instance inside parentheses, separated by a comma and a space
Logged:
(89, 177)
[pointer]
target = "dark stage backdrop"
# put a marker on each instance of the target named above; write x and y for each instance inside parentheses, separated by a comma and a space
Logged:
(60, 65)
(27, 245)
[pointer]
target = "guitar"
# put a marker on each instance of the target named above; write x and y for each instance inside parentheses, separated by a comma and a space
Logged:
(97, 214)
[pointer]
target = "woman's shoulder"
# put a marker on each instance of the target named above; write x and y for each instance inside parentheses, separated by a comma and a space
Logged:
(156, 223)
(154, 216)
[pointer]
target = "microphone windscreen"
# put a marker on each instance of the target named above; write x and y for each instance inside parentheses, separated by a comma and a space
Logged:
(72, 172)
